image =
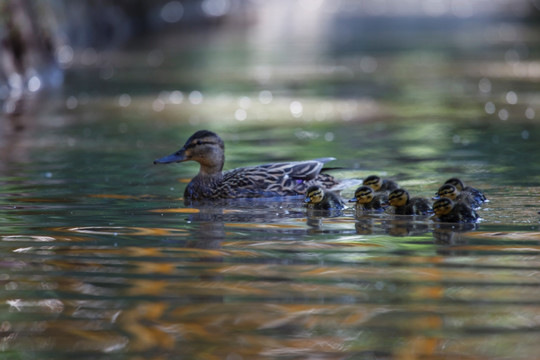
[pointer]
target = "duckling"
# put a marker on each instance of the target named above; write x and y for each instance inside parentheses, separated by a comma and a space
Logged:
(475, 193)
(451, 192)
(319, 199)
(366, 199)
(455, 212)
(404, 205)
(269, 180)
(380, 185)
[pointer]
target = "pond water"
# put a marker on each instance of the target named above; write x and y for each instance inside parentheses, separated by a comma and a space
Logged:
(101, 258)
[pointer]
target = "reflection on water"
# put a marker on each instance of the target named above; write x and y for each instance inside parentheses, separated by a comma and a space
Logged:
(101, 258)
(96, 265)
(258, 279)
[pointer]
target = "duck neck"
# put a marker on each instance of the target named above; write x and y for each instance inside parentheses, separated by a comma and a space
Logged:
(213, 166)
(210, 170)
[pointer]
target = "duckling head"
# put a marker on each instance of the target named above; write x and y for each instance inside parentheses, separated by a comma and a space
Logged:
(442, 206)
(456, 182)
(204, 147)
(363, 195)
(398, 197)
(448, 191)
(374, 182)
(314, 194)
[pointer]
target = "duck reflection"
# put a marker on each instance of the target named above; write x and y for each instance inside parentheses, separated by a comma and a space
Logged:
(364, 225)
(401, 226)
(450, 235)
(315, 220)
(208, 228)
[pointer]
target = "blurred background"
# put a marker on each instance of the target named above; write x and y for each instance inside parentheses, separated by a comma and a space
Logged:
(241, 65)
(363, 50)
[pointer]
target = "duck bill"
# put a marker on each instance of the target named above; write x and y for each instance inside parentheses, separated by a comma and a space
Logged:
(353, 200)
(308, 199)
(178, 156)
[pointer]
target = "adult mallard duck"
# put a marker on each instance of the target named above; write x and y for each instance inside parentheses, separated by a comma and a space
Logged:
(475, 193)
(269, 180)
(380, 185)
(455, 212)
(451, 192)
(366, 199)
(319, 199)
(405, 205)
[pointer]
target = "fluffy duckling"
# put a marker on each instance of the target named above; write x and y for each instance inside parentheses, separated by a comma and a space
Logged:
(366, 199)
(451, 192)
(475, 193)
(270, 180)
(319, 199)
(405, 205)
(380, 185)
(455, 212)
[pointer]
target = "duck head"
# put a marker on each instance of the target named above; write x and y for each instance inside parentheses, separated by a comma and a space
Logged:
(456, 182)
(442, 206)
(363, 195)
(374, 182)
(447, 191)
(204, 147)
(314, 194)
(398, 197)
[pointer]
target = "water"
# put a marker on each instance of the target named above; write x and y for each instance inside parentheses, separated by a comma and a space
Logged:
(102, 259)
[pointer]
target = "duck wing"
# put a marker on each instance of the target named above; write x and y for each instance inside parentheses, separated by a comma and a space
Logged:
(476, 194)
(277, 179)
(302, 170)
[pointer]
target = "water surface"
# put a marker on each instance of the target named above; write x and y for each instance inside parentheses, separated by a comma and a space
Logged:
(101, 258)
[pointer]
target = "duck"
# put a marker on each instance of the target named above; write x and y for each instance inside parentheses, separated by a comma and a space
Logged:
(451, 192)
(405, 205)
(366, 199)
(447, 210)
(268, 180)
(319, 199)
(475, 193)
(380, 185)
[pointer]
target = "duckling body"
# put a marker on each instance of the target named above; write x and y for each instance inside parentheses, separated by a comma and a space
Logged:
(405, 205)
(476, 194)
(269, 180)
(380, 185)
(449, 191)
(367, 199)
(447, 210)
(319, 199)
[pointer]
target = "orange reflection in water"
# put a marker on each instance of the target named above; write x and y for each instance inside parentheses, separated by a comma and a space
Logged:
(124, 230)
(506, 235)
(176, 210)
